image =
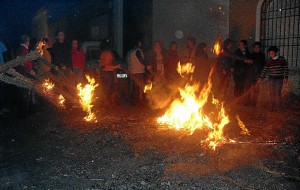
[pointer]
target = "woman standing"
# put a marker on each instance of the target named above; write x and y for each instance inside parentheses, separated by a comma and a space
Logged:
(108, 75)
(78, 60)
(202, 66)
(157, 60)
(172, 60)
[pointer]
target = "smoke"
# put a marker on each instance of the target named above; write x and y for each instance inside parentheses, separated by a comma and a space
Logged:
(163, 93)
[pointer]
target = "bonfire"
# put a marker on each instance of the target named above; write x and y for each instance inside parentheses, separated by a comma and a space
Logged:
(187, 114)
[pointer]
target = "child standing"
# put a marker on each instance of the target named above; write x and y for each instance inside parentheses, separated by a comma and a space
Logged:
(277, 67)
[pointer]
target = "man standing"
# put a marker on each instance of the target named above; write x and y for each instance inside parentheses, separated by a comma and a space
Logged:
(277, 67)
(240, 68)
(61, 53)
(253, 72)
(136, 68)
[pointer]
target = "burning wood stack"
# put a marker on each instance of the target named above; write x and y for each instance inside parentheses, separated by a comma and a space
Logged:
(64, 87)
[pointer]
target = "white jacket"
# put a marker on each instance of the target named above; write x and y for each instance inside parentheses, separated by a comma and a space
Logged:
(134, 65)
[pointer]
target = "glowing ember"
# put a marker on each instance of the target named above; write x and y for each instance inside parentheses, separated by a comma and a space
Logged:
(47, 86)
(61, 100)
(187, 113)
(148, 86)
(86, 94)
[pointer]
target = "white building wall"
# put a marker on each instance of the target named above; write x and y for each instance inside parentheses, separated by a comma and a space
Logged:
(201, 19)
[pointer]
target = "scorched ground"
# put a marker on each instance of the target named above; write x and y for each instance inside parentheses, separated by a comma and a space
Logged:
(127, 149)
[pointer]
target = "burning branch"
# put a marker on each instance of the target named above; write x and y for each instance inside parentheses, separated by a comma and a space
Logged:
(33, 55)
(17, 79)
(86, 94)
(245, 131)
(48, 85)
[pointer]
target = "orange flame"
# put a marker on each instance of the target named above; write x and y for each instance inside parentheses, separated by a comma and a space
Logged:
(187, 112)
(244, 131)
(216, 135)
(61, 100)
(86, 94)
(217, 48)
(148, 86)
(187, 68)
(39, 47)
(48, 86)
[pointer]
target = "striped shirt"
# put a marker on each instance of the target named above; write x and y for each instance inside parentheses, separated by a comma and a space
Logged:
(277, 68)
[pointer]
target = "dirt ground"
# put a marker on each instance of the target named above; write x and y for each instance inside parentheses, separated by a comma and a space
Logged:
(127, 149)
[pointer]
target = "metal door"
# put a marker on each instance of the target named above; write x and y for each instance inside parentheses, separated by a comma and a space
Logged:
(280, 27)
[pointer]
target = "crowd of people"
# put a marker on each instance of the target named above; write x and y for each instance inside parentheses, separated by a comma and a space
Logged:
(159, 64)
(248, 69)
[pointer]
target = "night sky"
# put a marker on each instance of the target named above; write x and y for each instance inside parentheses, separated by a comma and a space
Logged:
(16, 16)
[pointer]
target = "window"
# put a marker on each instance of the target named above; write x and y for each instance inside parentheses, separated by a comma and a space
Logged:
(280, 27)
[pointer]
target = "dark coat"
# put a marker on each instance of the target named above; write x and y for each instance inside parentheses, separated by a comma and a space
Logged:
(61, 55)
(202, 66)
(225, 61)
(240, 67)
(254, 69)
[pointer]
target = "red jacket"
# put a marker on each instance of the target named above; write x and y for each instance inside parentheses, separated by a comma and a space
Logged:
(78, 60)
(22, 50)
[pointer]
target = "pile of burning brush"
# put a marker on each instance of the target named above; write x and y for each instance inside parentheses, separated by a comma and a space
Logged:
(57, 89)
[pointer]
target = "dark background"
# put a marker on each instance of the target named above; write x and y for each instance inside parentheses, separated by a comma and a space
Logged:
(16, 19)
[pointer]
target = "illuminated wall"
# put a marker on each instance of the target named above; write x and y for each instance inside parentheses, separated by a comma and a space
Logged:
(174, 20)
